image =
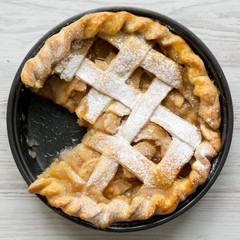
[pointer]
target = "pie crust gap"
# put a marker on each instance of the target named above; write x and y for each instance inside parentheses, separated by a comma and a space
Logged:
(151, 111)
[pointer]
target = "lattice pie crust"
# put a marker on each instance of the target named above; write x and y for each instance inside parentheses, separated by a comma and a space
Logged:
(152, 115)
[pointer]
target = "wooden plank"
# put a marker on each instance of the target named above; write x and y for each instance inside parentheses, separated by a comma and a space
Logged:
(24, 216)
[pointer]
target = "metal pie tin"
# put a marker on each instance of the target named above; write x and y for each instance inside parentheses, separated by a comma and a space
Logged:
(53, 128)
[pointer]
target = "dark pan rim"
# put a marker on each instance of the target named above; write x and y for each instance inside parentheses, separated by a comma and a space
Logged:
(198, 46)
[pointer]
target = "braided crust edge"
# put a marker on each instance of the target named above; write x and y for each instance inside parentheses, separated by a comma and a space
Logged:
(56, 47)
(121, 208)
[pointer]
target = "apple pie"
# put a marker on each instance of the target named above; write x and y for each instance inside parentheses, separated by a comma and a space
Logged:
(151, 111)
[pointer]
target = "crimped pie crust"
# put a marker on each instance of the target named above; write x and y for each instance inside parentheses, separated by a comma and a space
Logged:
(155, 196)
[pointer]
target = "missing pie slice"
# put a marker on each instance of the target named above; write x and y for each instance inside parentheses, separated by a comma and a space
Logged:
(152, 113)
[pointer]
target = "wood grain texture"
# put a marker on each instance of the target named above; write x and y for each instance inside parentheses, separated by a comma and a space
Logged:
(23, 216)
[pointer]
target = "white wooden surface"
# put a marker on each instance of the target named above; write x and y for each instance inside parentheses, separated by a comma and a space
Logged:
(23, 216)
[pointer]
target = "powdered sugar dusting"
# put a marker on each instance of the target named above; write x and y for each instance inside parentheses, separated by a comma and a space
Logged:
(72, 66)
(123, 153)
(177, 126)
(116, 40)
(178, 154)
(107, 83)
(69, 65)
(163, 68)
(143, 109)
(96, 103)
(130, 56)
(203, 154)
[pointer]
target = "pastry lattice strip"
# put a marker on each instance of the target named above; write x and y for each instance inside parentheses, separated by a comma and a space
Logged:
(122, 152)
(107, 84)
(69, 65)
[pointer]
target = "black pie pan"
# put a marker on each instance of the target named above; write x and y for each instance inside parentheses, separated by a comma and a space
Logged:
(54, 128)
